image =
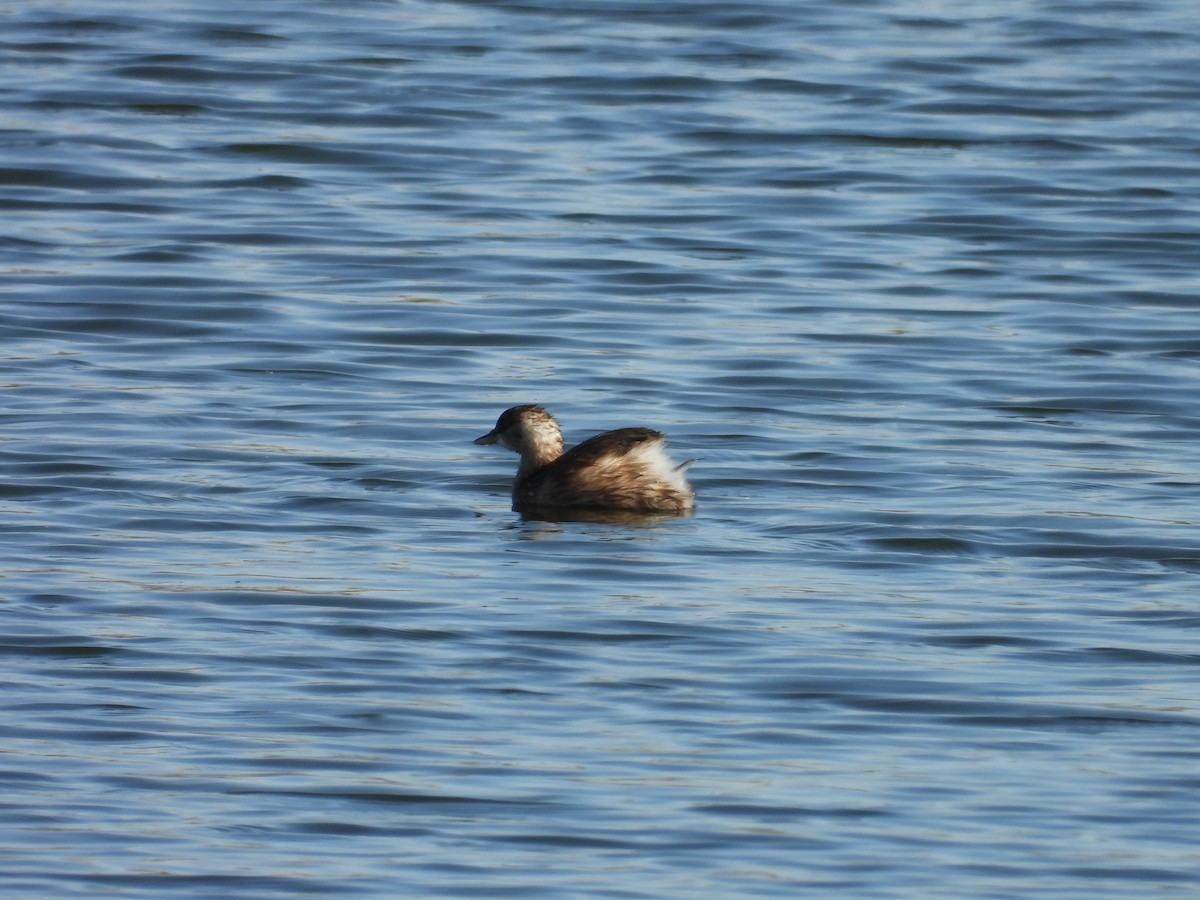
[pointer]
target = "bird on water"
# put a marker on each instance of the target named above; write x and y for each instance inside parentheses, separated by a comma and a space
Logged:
(627, 469)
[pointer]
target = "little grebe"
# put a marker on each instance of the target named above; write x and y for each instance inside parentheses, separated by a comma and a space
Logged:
(624, 469)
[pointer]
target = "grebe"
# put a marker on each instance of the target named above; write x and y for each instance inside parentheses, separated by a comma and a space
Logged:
(625, 469)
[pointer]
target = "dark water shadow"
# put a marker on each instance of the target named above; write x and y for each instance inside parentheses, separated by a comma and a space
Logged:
(601, 516)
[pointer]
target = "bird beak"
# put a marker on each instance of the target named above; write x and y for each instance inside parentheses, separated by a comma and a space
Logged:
(490, 438)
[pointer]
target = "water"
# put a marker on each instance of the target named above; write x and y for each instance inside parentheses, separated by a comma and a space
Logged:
(914, 284)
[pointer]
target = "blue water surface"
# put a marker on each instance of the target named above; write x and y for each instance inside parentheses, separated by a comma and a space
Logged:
(915, 285)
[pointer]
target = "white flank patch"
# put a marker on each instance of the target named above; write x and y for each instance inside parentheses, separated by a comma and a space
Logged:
(653, 458)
